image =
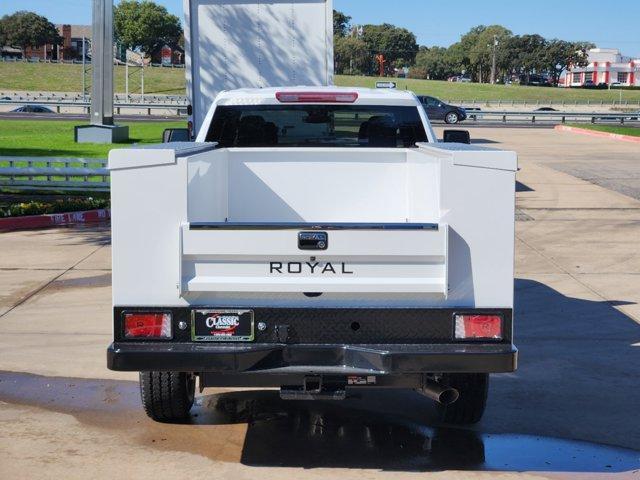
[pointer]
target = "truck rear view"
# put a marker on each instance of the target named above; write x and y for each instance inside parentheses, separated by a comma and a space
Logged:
(315, 240)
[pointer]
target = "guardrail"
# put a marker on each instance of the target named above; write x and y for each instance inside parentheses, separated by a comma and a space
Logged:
(7, 59)
(546, 103)
(180, 110)
(74, 98)
(37, 173)
(473, 113)
(556, 117)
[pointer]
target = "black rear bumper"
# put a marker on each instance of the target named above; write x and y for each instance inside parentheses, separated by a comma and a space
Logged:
(321, 341)
(313, 359)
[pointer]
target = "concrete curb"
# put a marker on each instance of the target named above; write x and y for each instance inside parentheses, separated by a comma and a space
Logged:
(596, 133)
(53, 220)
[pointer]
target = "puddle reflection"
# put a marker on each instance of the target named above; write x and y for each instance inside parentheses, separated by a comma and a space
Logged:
(351, 434)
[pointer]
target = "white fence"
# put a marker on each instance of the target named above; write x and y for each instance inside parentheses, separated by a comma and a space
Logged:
(36, 173)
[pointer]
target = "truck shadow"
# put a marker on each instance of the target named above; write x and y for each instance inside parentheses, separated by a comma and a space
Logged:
(393, 431)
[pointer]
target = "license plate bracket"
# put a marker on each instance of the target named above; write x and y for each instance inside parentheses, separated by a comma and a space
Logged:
(222, 325)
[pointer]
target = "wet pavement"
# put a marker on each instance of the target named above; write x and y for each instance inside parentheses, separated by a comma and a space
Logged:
(380, 430)
(570, 411)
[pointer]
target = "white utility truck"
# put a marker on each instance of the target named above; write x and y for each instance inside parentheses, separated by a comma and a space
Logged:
(318, 240)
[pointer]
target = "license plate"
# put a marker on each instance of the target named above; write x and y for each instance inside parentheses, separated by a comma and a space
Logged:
(222, 326)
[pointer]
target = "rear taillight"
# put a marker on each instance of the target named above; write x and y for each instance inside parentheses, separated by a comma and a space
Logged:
(147, 325)
(316, 97)
(478, 327)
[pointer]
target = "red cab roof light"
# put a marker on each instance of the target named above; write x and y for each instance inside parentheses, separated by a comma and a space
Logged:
(317, 97)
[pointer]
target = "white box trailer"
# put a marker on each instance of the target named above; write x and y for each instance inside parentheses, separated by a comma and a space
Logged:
(315, 239)
(233, 44)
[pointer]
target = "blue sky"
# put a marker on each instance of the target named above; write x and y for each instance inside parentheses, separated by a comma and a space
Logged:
(437, 22)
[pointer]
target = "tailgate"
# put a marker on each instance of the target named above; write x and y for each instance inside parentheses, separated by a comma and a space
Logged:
(274, 258)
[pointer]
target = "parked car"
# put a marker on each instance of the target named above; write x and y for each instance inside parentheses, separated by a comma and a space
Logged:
(438, 110)
(534, 80)
(546, 109)
(32, 109)
(459, 78)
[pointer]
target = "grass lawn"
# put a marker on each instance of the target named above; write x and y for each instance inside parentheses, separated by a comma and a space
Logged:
(50, 138)
(484, 92)
(52, 77)
(620, 130)
(68, 78)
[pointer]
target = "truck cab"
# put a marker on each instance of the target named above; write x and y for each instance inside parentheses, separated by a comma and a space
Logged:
(318, 240)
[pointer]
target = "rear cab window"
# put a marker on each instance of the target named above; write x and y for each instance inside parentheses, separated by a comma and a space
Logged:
(308, 125)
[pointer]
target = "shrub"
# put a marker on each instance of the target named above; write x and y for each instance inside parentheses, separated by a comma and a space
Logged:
(55, 206)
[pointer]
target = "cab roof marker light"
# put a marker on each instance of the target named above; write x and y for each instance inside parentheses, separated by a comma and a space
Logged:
(317, 97)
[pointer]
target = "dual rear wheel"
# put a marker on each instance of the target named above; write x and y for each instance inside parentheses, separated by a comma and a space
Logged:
(167, 396)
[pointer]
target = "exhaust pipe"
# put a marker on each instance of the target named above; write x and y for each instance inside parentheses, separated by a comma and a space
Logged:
(440, 393)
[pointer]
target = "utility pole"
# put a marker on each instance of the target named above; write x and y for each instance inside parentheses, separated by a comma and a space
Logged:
(102, 129)
(494, 60)
(84, 70)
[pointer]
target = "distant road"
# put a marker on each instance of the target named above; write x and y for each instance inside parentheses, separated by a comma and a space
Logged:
(85, 118)
(496, 123)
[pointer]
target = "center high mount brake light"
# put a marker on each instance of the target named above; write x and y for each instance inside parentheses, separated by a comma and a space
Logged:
(316, 97)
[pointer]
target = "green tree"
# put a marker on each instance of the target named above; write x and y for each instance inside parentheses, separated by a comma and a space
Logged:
(27, 29)
(341, 24)
(145, 26)
(478, 46)
(437, 63)
(526, 54)
(398, 45)
(560, 55)
(351, 55)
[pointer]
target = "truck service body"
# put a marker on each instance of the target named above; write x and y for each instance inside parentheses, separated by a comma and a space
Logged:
(313, 239)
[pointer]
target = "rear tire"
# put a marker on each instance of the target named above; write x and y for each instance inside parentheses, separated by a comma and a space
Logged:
(167, 396)
(452, 118)
(470, 406)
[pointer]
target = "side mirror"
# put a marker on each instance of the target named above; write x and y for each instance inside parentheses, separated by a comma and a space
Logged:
(457, 136)
(176, 135)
